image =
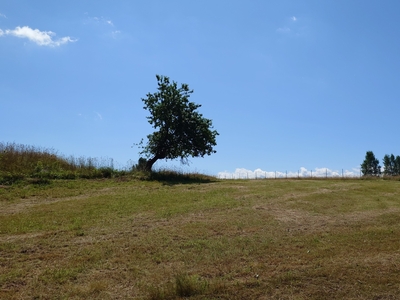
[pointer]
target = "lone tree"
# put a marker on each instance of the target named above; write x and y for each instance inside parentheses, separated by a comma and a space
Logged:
(181, 131)
(370, 165)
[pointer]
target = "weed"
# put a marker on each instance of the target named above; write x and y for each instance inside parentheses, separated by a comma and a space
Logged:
(187, 286)
(184, 286)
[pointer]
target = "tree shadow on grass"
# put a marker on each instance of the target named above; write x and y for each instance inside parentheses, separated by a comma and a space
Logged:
(172, 178)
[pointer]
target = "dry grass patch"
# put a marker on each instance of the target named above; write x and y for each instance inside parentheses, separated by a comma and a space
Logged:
(261, 239)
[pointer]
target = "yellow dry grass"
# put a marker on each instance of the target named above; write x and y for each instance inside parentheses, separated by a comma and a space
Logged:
(259, 239)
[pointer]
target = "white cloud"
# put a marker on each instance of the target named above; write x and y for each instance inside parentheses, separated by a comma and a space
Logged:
(41, 38)
(289, 26)
(242, 173)
(99, 20)
(3, 15)
(283, 29)
(115, 34)
(99, 115)
(104, 24)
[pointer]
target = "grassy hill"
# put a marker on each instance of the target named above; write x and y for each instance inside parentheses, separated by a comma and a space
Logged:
(20, 162)
(204, 239)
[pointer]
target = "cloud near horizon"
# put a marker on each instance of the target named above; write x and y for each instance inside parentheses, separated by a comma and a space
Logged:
(242, 173)
(41, 38)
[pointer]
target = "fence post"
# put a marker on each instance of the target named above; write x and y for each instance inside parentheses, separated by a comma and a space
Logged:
(311, 173)
(286, 174)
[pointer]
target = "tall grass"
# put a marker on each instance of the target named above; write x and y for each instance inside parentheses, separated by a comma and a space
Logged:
(176, 176)
(19, 162)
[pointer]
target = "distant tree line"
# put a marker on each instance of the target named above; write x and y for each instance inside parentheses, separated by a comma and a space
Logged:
(371, 167)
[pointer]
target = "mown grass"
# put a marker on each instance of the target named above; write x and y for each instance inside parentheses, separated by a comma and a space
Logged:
(206, 239)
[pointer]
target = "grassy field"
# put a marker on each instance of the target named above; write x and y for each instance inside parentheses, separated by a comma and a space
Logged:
(236, 239)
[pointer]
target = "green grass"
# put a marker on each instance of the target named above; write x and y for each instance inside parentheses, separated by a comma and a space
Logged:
(20, 162)
(174, 238)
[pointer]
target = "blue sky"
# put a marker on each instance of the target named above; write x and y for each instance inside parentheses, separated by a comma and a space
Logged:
(289, 85)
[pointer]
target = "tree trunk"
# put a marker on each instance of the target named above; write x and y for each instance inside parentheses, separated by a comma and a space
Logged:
(150, 163)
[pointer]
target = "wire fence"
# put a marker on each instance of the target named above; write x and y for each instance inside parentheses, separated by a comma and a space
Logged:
(303, 173)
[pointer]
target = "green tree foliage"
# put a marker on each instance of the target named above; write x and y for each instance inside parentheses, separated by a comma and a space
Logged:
(370, 166)
(397, 165)
(181, 131)
(391, 165)
(388, 164)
